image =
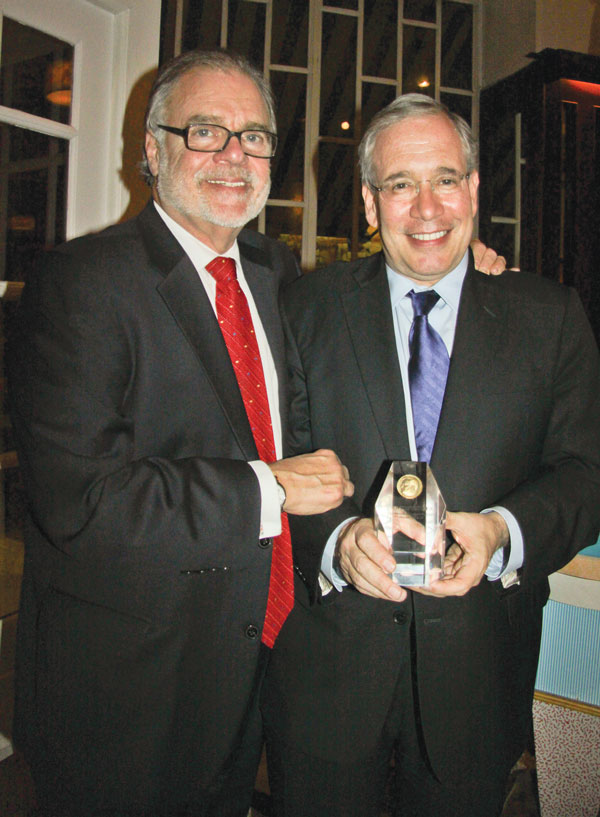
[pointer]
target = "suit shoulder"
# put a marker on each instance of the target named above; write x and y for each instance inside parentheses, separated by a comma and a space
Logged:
(101, 250)
(91, 269)
(269, 252)
(539, 304)
(328, 283)
(527, 286)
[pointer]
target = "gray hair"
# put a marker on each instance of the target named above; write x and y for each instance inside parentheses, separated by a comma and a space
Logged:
(402, 108)
(170, 74)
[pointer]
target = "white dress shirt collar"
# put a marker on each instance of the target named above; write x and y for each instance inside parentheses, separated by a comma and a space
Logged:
(198, 252)
(449, 287)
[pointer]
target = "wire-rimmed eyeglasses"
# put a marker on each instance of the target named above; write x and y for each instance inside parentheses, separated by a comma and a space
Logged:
(204, 137)
(404, 189)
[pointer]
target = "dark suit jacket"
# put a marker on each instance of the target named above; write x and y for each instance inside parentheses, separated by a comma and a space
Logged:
(145, 582)
(519, 428)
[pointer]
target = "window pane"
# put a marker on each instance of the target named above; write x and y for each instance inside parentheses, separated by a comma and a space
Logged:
(37, 72)
(597, 145)
(422, 10)
(457, 45)
(33, 171)
(34, 194)
(369, 241)
(380, 38)
(342, 4)
(246, 30)
(201, 25)
(457, 103)
(497, 191)
(500, 185)
(418, 60)
(334, 223)
(289, 44)
(285, 224)
(12, 496)
(568, 192)
(501, 236)
(288, 164)
(375, 97)
(338, 75)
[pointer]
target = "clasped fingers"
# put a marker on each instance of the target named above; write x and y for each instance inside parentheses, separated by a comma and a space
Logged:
(366, 562)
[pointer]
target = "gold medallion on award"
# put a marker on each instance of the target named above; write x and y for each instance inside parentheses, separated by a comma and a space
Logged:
(411, 511)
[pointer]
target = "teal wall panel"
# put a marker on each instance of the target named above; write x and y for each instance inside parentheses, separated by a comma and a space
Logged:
(570, 653)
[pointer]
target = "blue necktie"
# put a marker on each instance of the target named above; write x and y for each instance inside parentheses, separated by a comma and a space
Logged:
(427, 372)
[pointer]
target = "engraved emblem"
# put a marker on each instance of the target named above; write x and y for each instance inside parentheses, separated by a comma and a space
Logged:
(409, 486)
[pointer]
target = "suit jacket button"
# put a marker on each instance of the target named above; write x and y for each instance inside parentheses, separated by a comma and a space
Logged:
(400, 617)
(265, 543)
(251, 632)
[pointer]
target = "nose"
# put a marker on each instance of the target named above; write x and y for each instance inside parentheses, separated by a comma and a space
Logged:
(426, 205)
(232, 152)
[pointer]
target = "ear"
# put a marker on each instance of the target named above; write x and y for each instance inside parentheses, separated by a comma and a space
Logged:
(473, 187)
(370, 206)
(152, 153)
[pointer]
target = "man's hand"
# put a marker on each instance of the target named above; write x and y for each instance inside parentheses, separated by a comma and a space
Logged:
(477, 536)
(313, 483)
(365, 561)
(486, 259)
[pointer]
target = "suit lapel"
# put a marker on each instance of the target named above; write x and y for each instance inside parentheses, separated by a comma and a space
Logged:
(479, 332)
(370, 324)
(186, 299)
(263, 283)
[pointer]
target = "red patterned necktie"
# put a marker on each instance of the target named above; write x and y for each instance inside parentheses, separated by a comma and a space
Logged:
(236, 325)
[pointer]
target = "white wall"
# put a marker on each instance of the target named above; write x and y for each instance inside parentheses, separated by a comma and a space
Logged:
(513, 28)
(567, 24)
(137, 40)
(508, 36)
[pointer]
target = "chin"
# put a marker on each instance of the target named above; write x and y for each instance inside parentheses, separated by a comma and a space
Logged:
(233, 220)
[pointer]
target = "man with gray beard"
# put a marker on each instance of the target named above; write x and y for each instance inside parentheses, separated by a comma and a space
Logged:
(158, 562)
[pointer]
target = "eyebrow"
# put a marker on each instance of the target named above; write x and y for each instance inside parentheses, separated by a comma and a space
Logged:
(211, 119)
(439, 171)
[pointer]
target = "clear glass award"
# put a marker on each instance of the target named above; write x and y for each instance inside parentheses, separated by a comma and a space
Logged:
(411, 511)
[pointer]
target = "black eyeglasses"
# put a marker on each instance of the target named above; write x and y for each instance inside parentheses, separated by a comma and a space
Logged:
(206, 138)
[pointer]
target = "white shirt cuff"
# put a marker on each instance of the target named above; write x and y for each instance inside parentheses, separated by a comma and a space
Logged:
(327, 567)
(510, 558)
(270, 511)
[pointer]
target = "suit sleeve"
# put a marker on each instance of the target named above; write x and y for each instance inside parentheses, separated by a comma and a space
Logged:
(72, 369)
(309, 533)
(558, 509)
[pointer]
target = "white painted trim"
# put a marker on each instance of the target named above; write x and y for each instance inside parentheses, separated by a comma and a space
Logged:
(114, 6)
(11, 116)
(137, 43)
(575, 591)
(120, 87)
(116, 44)
(71, 222)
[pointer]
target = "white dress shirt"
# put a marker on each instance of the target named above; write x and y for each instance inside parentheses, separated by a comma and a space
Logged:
(200, 255)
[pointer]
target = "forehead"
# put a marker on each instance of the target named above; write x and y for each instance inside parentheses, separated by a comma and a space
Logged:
(229, 96)
(418, 143)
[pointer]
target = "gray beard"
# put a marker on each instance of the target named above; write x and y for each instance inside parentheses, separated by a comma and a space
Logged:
(202, 208)
(206, 212)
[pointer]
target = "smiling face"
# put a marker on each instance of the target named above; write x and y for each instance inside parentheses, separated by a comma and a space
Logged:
(425, 238)
(213, 195)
